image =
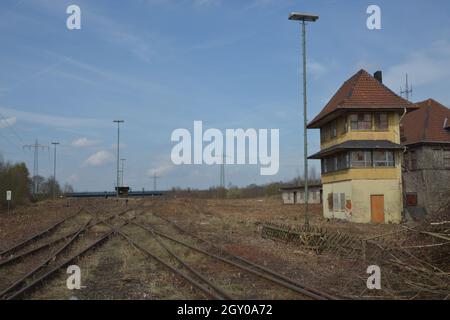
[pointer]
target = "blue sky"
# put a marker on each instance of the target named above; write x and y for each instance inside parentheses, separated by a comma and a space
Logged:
(161, 64)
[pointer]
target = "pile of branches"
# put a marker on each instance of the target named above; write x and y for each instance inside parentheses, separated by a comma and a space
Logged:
(418, 258)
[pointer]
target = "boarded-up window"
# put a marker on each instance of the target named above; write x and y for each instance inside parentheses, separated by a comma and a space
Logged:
(330, 202)
(411, 199)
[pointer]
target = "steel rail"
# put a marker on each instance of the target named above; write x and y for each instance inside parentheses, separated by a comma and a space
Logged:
(269, 277)
(72, 239)
(45, 245)
(59, 266)
(251, 263)
(33, 250)
(45, 262)
(221, 291)
(38, 234)
(174, 270)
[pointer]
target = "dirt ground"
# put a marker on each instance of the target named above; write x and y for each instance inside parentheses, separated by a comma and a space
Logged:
(118, 270)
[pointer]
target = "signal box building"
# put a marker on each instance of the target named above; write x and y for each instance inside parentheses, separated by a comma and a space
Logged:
(360, 151)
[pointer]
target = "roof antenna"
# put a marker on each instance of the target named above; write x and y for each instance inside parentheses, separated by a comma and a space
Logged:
(408, 89)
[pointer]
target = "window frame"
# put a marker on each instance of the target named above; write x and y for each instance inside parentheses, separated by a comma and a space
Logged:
(377, 121)
(359, 122)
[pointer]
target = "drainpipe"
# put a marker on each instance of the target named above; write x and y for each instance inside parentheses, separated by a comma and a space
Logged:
(402, 180)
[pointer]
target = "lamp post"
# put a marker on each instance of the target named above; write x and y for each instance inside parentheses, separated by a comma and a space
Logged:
(118, 156)
(303, 18)
(54, 169)
(123, 161)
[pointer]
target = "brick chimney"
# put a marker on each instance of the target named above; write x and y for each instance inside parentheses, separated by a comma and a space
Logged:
(379, 76)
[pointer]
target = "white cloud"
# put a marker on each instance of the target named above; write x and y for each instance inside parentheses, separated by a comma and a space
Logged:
(425, 66)
(84, 142)
(99, 158)
(160, 170)
(7, 122)
(51, 120)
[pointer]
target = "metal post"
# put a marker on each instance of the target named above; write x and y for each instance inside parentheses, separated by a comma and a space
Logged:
(118, 155)
(305, 123)
(303, 17)
(121, 178)
(54, 170)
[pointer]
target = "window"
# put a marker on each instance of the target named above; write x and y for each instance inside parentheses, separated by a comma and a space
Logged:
(447, 159)
(314, 195)
(336, 201)
(383, 159)
(329, 164)
(333, 129)
(381, 121)
(413, 160)
(361, 121)
(361, 159)
(342, 202)
(342, 161)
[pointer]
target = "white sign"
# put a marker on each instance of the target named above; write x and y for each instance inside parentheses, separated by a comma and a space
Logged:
(8, 195)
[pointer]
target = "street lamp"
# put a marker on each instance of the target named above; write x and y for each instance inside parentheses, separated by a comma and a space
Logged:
(118, 156)
(303, 18)
(123, 160)
(54, 170)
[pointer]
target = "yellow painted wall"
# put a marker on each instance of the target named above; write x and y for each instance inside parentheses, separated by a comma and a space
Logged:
(361, 174)
(358, 199)
(392, 134)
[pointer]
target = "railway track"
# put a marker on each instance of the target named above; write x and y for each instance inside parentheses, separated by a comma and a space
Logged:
(60, 258)
(244, 265)
(73, 245)
(38, 235)
(234, 259)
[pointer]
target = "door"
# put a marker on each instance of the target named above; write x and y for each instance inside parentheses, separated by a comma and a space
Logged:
(295, 197)
(377, 208)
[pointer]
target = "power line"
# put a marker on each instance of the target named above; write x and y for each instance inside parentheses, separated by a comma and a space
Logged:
(36, 146)
(155, 177)
(54, 171)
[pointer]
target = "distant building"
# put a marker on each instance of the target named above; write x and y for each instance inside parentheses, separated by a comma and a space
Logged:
(361, 154)
(426, 170)
(296, 194)
(123, 191)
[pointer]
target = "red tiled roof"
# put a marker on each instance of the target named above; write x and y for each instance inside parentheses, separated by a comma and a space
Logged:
(427, 124)
(361, 91)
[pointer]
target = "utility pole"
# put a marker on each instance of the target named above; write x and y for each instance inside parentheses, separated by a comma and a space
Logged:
(296, 16)
(36, 146)
(54, 170)
(155, 177)
(222, 173)
(121, 171)
(407, 91)
(118, 154)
